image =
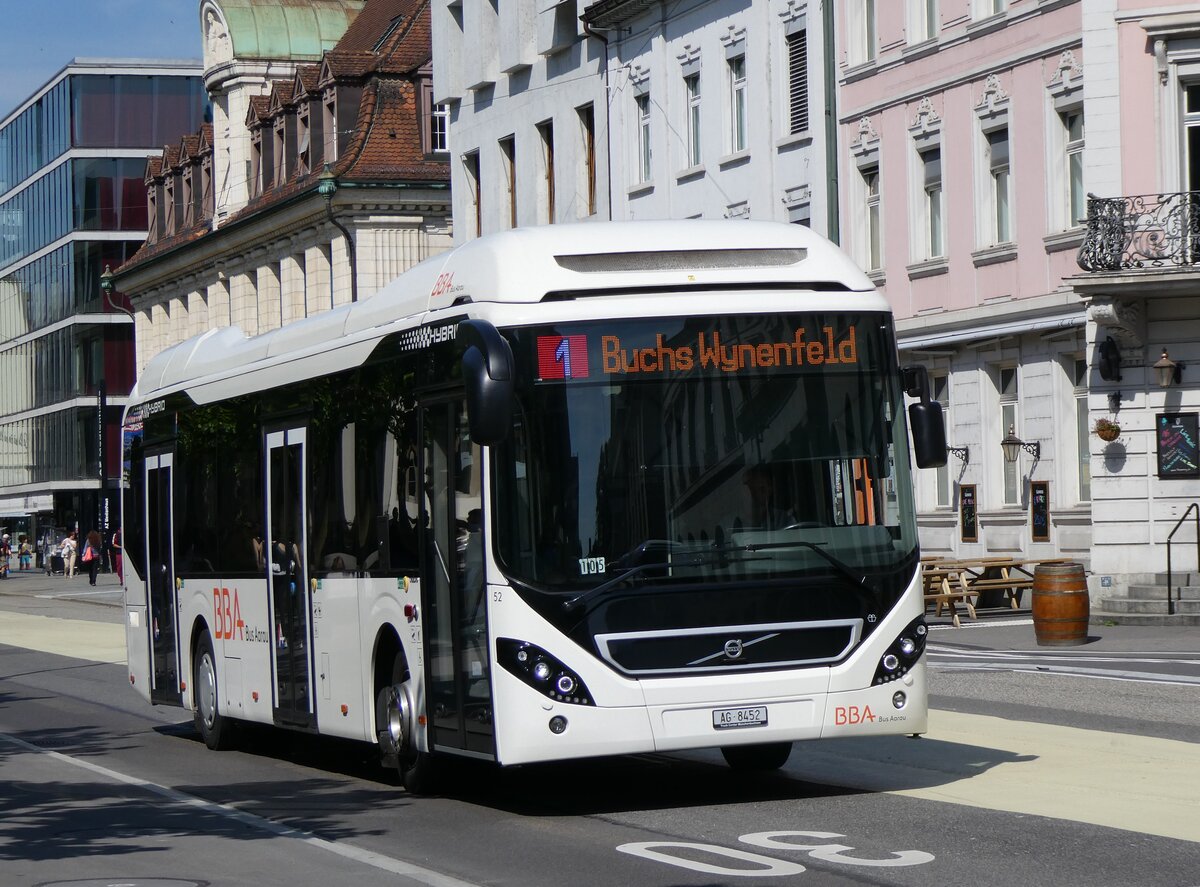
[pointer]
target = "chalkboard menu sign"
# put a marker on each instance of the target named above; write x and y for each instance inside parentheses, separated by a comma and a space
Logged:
(966, 510)
(1039, 510)
(1177, 436)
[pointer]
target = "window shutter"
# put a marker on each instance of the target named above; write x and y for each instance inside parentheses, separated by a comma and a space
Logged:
(797, 45)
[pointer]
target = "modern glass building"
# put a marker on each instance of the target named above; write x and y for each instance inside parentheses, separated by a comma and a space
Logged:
(72, 200)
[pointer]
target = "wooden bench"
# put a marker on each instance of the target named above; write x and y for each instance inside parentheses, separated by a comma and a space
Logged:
(943, 585)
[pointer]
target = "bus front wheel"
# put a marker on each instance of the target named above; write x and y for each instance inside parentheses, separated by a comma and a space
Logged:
(769, 756)
(216, 731)
(396, 727)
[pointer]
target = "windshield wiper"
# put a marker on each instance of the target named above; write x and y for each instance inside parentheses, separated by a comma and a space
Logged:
(692, 559)
(858, 580)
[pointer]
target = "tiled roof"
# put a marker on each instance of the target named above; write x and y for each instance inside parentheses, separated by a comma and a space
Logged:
(346, 65)
(374, 23)
(409, 46)
(386, 146)
(308, 76)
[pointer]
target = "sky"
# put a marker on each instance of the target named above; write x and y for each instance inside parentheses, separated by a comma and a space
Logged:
(39, 37)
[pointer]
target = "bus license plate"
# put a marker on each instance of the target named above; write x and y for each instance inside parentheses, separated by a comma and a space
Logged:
(750, 716)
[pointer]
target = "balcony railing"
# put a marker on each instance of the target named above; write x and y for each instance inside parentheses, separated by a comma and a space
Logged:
(1144, 231)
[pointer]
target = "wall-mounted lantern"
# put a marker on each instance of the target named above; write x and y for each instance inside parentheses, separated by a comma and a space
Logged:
(1012, 446)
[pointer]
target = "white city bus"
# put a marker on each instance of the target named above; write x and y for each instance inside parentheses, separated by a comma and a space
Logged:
(560, 492)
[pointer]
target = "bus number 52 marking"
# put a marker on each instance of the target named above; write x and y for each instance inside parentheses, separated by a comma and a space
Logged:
(591, 566)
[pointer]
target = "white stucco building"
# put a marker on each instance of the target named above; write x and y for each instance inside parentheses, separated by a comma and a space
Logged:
(631, 110)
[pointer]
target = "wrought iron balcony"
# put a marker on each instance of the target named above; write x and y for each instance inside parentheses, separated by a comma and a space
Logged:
(1144, 231)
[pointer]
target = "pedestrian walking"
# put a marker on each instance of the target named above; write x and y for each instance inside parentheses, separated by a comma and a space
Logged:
(91, 555)
(70, 547)
(117, 552)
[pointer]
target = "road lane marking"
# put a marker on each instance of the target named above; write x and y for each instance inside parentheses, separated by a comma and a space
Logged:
(348, 851)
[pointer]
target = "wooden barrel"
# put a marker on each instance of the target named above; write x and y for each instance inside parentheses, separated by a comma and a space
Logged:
(1060, 605)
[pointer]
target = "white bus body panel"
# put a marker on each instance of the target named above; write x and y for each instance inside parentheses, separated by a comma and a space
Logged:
(137, 635)
(676, 713)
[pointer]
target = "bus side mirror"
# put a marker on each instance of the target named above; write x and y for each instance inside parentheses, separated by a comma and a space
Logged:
(488, 374)
(925, 420)
(928, 434)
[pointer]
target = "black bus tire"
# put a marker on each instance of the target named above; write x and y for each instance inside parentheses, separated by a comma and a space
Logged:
(215, 729)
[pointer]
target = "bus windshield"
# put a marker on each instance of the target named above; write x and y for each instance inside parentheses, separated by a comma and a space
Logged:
(703, 449)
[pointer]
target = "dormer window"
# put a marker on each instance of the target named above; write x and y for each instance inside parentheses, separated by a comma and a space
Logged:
(303, 147)
(187, 200)
(329, 124)
(280, 153)
(256, 162)
(169, 205)
(152, 214)
(206, 188)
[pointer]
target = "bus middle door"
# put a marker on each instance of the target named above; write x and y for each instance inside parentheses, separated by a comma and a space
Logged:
(458, 673)
(287, 578)
(162, 592)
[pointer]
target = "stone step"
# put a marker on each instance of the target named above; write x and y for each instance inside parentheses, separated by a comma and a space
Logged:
(1179, 577)
(1100, 617)
(1158, 604)
(1159, 592)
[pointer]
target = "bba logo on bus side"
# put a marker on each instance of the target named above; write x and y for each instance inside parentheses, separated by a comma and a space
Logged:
(227, 618)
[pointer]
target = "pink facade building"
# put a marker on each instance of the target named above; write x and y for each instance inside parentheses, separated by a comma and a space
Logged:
(971, 135)
(962, 179)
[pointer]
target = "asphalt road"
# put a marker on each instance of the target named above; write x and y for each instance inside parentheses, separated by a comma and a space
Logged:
(1076, 766)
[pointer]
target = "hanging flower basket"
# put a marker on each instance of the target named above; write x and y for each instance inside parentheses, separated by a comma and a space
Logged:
(1107, 429)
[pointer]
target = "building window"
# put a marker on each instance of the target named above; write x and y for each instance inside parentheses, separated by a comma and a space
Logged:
(1000, 186)
(1072, 122)
(303, 146)
(691, 86)
(587, 128)
(645, 169)
(868, 33)
(737, 104)
(471, 166)
(329, 125)
(546, 131)
(930, 18)
(280, 158)
(1009, 418)
(931, 166)
(870, 180)
(940, 388)
(256, 163)
(797, 49)
(1082, 428)
(439, 128)
(508, 159)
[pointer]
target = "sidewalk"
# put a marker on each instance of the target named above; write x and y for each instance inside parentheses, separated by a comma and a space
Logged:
(35, 583)
(1012, 630)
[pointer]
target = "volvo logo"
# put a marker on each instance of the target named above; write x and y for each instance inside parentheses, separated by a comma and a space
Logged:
(733, 648)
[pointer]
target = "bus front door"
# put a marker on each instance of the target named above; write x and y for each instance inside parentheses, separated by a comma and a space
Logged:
(163, 621)
(287, 578)
(458, 673)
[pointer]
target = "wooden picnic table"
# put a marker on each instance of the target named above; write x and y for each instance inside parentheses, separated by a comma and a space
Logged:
(978, 582)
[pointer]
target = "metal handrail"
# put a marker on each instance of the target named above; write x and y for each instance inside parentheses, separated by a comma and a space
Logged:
(1179, 592)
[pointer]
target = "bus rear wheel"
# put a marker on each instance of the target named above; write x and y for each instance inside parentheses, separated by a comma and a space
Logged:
(395, 716)
(216, 731)
(768, 756)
